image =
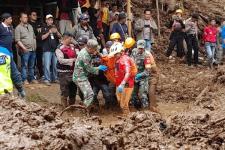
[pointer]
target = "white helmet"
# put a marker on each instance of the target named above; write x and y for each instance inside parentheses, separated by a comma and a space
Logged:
(116, 48)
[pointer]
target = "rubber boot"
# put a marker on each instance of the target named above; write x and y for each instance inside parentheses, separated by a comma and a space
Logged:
(64, 101)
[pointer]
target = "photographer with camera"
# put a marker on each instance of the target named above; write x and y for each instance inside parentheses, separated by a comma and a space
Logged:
(50, 38)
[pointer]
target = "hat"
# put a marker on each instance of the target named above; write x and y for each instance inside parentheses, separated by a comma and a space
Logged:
(49, 16)
(141, 44)
(6, 16)
(82, 40)
(122, 16)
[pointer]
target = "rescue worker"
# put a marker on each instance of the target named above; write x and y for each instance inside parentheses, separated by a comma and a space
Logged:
(99, 82)
(83, 68)
(124, 76)
(6, 83)
(66, 56)
(115, 37)
(105, 51)
(129, 45)
(83, 28)
(146, 78)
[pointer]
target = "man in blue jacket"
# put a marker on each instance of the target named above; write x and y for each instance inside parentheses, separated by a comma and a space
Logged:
(6, 40)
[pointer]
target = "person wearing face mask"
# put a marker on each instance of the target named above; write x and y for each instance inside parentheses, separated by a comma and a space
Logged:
(209, 37)
(145, 27)
(83, 28)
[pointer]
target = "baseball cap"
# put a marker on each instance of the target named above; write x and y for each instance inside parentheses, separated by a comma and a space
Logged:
(49, 16)
(82, 40)
(141, 44)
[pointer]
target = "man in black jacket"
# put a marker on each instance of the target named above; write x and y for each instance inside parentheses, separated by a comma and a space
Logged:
(50, 38)
(177, 35)
(37, 31)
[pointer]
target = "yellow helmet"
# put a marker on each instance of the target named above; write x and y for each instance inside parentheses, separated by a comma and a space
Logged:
(115, 36)
(115, 48)
(179, 11)
(129, 42)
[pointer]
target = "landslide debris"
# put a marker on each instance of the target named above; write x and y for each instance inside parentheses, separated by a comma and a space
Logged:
(26, 125)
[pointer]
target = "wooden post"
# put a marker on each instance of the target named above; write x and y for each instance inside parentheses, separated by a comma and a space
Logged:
(129, 16)
(157, 7)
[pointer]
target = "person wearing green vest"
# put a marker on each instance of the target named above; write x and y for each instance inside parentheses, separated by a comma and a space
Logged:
(7, 75)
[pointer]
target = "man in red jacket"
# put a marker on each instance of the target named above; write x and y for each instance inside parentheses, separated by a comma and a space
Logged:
(209, 37)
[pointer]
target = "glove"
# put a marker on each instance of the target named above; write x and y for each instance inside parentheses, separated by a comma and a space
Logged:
(120, 88)
(102, 67)
(138, 76)
(22, 93)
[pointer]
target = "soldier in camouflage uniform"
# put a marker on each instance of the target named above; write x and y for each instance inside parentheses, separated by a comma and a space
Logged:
(83, 68)
(144, 84)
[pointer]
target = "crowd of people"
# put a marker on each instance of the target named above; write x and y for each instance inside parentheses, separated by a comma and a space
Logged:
(186, 36)
(93, 52)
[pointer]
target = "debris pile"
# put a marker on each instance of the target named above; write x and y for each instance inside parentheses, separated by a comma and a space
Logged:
(220, 76)
(20, 121)
(28, 126)
(197, 129)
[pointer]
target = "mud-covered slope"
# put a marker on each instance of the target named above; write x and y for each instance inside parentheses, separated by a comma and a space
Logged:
(25, 125)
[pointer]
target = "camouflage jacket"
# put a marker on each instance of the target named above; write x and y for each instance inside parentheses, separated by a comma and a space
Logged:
(144, 62)
(83, 66)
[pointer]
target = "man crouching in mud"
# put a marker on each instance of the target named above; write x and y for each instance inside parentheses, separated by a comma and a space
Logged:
(83, 67)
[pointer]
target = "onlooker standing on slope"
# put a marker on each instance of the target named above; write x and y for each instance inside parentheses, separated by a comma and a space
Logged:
(26, 41)
(50, 38)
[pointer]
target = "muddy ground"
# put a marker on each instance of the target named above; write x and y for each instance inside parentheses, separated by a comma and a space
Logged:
(190, 100)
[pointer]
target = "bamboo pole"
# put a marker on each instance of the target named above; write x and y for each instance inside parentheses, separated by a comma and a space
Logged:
(157, 7)
(129, 17)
